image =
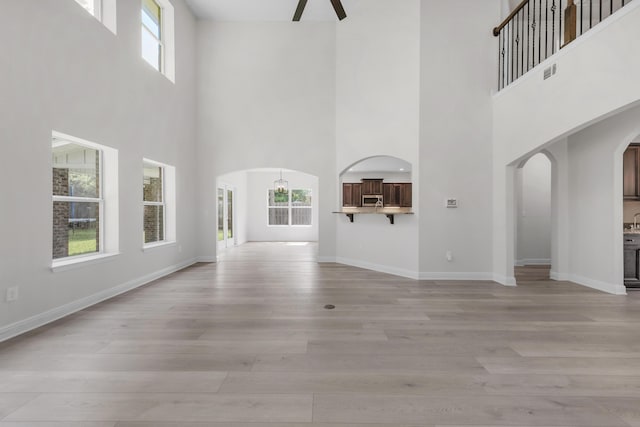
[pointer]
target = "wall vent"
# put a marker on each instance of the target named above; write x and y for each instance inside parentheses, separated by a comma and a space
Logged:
(550, 71)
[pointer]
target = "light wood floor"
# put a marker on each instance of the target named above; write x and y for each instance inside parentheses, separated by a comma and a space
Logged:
(532, 273)
(247, 342)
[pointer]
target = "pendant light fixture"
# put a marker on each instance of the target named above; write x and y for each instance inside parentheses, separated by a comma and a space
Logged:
(280, 185)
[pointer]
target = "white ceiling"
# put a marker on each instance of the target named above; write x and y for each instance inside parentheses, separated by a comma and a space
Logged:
(263, 10)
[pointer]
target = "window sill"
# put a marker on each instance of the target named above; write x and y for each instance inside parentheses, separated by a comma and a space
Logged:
(81, 261)
(157, 245)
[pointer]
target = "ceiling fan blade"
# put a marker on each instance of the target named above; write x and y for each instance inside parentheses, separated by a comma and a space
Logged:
(337, 6)
(299, 10)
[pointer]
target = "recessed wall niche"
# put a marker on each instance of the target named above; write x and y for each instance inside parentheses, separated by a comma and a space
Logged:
(379, 184)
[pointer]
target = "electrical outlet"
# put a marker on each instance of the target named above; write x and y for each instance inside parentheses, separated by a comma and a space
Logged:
(11, 294)
(451, 203)
(449, 256)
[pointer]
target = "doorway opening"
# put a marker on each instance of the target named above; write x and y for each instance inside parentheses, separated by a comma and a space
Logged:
(533, 219)
(226, 232)
(266, 205)
(631, 214)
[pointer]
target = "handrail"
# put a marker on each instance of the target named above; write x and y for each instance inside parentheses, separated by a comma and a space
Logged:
(537, 29)
(496, 30)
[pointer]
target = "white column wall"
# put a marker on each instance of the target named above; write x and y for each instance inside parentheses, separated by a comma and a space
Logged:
(377, 113)
(459, 68)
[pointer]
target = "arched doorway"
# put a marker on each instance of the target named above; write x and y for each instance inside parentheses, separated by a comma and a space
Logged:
(533, 219)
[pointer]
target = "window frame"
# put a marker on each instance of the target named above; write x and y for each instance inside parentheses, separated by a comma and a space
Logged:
(104, 11)
(97, 9)
(108, 209)
(290, 208)
(79, 199)
(166, 41)
(163, 203)
(160, 41)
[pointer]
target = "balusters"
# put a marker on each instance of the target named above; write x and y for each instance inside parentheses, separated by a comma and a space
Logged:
(518, 42)
(553, 26)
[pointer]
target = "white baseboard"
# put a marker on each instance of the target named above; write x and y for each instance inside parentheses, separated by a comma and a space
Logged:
(452, 275)
(33, 322)
(504, 280)
(558, 276)
(408, 273)
(379, 267)
(207, 259)
(533, 261)
(610, 288)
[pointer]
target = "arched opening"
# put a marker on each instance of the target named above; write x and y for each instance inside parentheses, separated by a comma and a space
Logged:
(377, 176)
(631, 214)
(251, 207)
(533, 218)
(377, 225)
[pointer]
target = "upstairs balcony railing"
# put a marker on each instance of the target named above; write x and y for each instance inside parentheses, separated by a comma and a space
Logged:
(536, 29)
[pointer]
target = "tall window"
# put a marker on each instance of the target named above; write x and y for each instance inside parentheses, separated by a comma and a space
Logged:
(103, 10)
(77, 199)
(154, 203)
(152, 34)
(290, 208)
(94, 7)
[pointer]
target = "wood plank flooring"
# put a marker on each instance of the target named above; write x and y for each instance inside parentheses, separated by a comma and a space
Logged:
(247, 342)
(532, 273)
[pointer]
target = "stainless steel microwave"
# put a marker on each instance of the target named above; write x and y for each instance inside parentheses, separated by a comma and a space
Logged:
(372, 200)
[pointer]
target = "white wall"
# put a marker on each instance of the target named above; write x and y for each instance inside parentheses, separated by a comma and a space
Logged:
(237, 181)
(62, 70)
(534, 212)
(595, 201)
(266, 98)
(458, 70)
(377, 113)
(258, 230)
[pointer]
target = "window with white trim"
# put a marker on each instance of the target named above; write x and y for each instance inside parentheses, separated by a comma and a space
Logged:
(103, 10)
(94, 7)
(158, 198)
(84, 199)
(158, 36)
(154, 203)
(289, 208)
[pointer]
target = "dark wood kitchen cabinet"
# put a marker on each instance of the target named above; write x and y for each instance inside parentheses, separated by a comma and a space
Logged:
(371, 187)
(352, 195)
(631, 172)
(397, 195)
(406, 195)
(632, 260)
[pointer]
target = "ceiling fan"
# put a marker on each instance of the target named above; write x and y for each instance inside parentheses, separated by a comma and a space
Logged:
(337, 6)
